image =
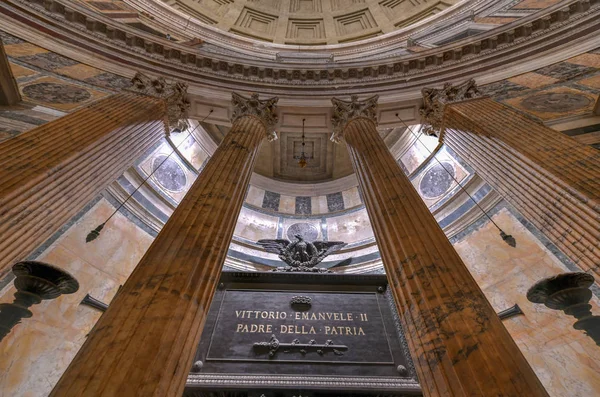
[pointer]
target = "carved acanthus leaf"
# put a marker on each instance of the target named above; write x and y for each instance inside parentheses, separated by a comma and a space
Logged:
(435, 101)
(175, 96)
(346, 111)
(253, 106)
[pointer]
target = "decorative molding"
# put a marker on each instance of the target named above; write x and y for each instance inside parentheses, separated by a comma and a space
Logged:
(301, 302)
(335, 383)
(272, 347)
(529, 35)
(174, 95)
(346, 111)
(264, 110)
(435, 101)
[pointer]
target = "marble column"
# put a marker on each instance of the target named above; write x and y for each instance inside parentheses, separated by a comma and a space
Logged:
(48, 174)
(550, 178)
(9, 90)
(143, 345)
(457, 341)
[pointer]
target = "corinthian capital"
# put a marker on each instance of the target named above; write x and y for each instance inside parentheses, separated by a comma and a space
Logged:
(435, 101)
(175, 96)
(346, 111)
(263, 110)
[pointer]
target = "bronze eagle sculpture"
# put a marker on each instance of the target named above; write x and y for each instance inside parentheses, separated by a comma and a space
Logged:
(301, 255)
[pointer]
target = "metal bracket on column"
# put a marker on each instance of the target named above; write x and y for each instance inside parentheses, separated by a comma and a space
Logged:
(511, 311)
(95, 303)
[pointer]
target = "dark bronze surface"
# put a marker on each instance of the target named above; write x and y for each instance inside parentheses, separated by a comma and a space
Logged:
(570, 293)
(255, 338)
(35, 282)
(301, 255)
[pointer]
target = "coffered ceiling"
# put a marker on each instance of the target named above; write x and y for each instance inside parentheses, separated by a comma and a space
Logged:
(314, 22)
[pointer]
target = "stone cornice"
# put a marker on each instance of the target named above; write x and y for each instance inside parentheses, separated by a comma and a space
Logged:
(264, 110)
(129, 50)
(346, 111)
(158, 56)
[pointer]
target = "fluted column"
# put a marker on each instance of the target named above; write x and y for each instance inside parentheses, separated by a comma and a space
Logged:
(143, 345)
(49, 173)
(457, 341)
(550, 178)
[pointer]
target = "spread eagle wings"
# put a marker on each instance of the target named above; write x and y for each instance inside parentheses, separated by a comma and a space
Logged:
(328, 247)
(274, 246)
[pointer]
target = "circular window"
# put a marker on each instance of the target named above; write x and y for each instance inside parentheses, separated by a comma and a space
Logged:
(169, 174)
(306, 230)
(437, 180)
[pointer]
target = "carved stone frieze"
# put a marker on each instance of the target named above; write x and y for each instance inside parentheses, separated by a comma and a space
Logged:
(264, 110)
(174, 94)
(435, 101)
(488, 51)
(346, 111)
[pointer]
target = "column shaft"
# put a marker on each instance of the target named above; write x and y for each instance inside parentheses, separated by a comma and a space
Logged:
(49, 173)
(459, 345)
(144, 343)
(553, 180)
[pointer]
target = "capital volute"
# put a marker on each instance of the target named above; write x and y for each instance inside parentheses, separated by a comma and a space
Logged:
(174, 95)
(346, 111)
(264, 110)
(436, 99)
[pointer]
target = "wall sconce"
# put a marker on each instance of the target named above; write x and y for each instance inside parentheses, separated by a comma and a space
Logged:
(569, 292)
(35, 282)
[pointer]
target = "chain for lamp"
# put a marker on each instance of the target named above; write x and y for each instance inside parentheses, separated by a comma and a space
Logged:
(507, 238)
(94, 234)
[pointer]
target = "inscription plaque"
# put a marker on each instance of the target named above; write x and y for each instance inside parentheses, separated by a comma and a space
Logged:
(248, 317)
(314, 332)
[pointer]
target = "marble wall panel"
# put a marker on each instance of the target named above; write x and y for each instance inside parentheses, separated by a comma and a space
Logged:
(413, 157)
(351, 198)
(319, 205)
(335, 202)
(189, 149)
(271, 201)
(533, 80)
(23, 117)
(287, 204)
(593, 82)
(255, 196)
(254, 225)
(57, 94)
(303, 206)
(555, 102)
(36, 353)
(565, 70)
(566, 360)
(350, 228)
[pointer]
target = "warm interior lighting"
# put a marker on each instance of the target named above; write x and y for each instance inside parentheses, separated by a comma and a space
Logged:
(302, 159)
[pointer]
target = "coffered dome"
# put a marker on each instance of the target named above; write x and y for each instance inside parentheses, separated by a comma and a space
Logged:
(310, 22)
